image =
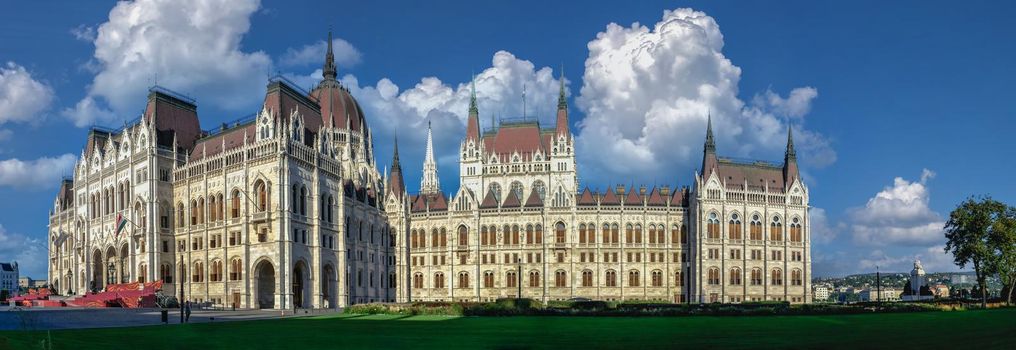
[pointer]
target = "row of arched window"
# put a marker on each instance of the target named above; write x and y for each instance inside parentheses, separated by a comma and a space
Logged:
(610, 279)
(512, 234)
(215, 271)
(216, 206)
(734, 277)
(735, 228)
(110, 199)
(327, 202)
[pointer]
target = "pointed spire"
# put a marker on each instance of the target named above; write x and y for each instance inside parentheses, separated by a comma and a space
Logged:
(472, 97)
(329, 72)
(394, 181)
(473, 123)
(710, 142)
(791, 153)
(430, 183)
(562, 102)
(709, 152)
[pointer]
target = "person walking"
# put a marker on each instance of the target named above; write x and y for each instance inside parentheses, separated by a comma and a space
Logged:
(187, 311)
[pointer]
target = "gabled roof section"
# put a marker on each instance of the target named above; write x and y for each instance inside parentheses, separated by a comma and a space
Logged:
(429, 202)
(656, 199)
(534, 200)
(610, 198)
(633, 197)
(586, 198)
(489, 201)
(679, 197)
(512, 201)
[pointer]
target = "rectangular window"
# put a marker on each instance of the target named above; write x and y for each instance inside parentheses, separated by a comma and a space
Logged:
(165, 246)
(560, 257)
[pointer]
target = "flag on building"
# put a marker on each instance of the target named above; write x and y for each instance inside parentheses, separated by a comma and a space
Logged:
(121, 222)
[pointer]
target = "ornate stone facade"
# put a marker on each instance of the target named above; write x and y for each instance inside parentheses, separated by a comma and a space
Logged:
(280, 210)
(287, 209)
(519, 226)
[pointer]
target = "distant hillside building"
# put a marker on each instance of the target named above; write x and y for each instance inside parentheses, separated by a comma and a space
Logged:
(883, 294)
(9, 277)
(821, 292)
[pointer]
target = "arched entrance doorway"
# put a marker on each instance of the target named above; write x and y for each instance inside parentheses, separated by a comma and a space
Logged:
(328, 286)
(265, 285)
(298, 274)
(122, 266)
(111, 266)
(97, 268)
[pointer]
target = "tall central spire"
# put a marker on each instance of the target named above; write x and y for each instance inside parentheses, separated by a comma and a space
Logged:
(473, 121)
(429, 183)
(329, 71)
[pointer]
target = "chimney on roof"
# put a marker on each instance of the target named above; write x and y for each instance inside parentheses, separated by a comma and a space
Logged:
(665, 190)
(642, 190)
(620, 189)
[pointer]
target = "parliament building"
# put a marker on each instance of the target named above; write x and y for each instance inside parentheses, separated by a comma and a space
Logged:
(287, 209)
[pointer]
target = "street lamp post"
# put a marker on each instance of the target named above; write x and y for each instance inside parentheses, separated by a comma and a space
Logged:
(180, 281)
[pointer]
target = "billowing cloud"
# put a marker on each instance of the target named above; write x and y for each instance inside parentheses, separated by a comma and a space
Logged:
(190, 47)
(933, 259)
(30, 253)
(84, 33)
(899, 214)
(22, 98)
(39, 173)
(345, 54)
(647, 93)
(499, 93)
(822, 231)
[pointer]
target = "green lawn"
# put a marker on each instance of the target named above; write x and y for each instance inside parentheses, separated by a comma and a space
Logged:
(980, 329)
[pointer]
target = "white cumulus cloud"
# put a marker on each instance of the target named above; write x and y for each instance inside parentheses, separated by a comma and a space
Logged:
(39, 173)
(499, 94)
(30, 253)
(22, 98)
(647, 92)
(190, 47)
(899, 214)
(345, 54)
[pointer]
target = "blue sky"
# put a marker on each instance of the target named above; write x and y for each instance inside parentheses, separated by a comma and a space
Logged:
(900, 110)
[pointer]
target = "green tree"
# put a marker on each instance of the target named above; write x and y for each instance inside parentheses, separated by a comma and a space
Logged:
(1002, 241)
(968, 232)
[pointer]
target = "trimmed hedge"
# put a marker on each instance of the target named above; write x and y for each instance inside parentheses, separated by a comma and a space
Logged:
(530, 307)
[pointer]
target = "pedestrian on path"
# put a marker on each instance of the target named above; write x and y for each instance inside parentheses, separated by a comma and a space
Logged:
(187, 311)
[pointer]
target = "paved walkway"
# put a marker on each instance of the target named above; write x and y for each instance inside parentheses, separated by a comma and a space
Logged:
(70, 318)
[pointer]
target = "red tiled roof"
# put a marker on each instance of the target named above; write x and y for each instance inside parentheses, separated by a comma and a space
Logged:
(489, 201)
(677, 200)
(733, 173)
(610, 198)
(534, 200)
(586, 198)
(173, 116)
(233, 138)
(656, 199)
(336, 104)
(526, 138)
(512, 201)
(633, 198)
(283, 100)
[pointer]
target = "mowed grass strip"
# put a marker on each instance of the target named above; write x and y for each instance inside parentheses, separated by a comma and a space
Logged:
(975, 329)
